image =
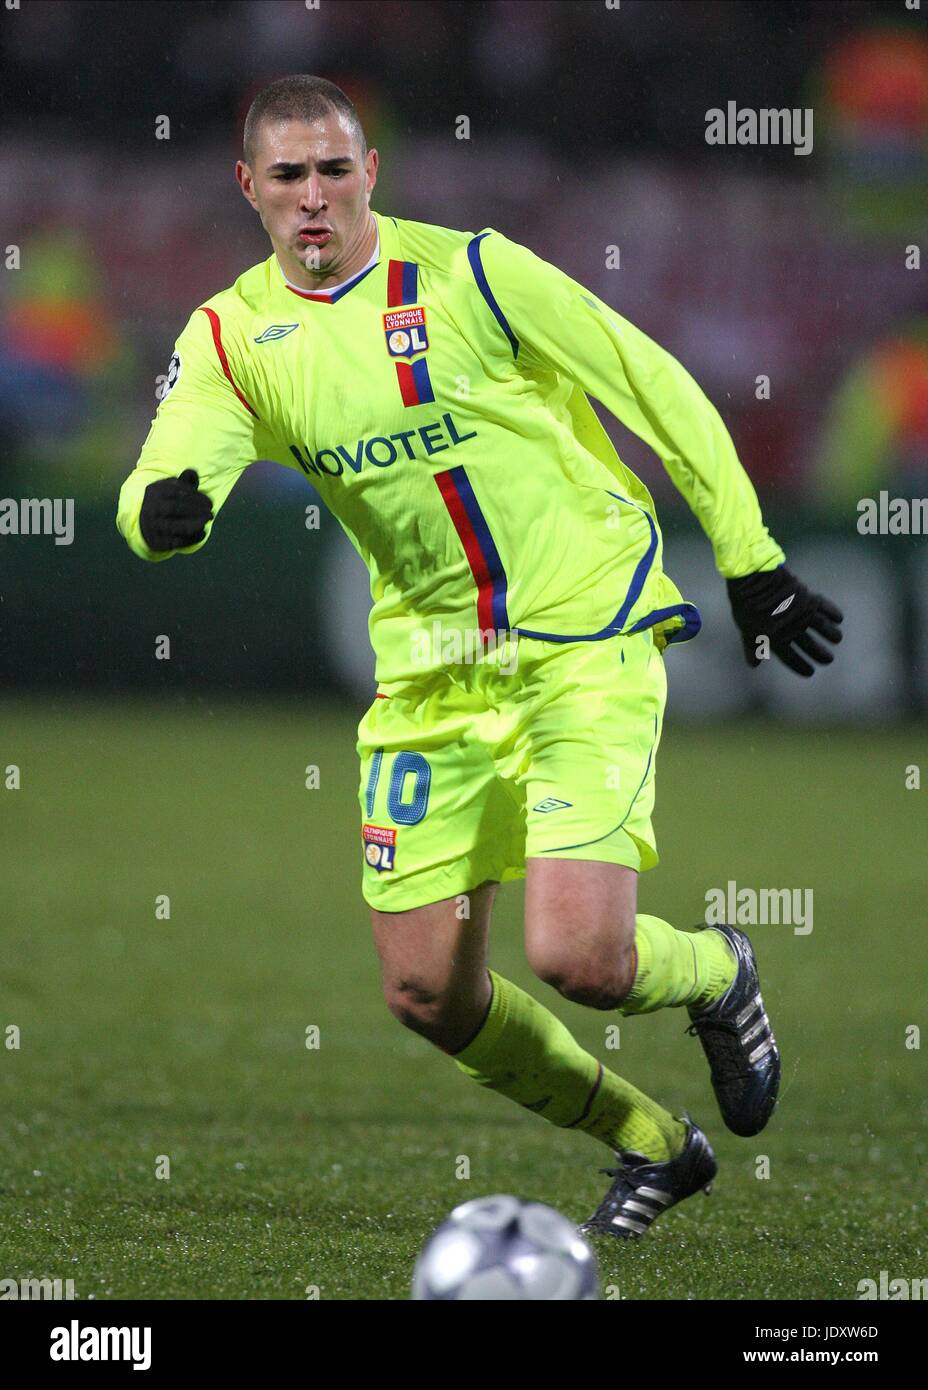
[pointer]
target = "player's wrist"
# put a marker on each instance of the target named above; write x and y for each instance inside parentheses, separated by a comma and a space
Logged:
(760, 584)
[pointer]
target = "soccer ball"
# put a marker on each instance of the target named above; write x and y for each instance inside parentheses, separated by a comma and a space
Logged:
(500, 1248)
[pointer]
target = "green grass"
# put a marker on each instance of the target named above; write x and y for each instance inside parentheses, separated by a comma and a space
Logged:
(292, 1167)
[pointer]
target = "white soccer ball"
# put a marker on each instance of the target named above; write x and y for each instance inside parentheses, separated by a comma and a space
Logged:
(500, 1248)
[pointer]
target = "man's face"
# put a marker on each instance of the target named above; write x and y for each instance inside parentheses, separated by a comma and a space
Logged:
(309, 175)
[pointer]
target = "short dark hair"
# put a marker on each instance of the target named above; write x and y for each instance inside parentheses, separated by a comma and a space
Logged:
(299, 98)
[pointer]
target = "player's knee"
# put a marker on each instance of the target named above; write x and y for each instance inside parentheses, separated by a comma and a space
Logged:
(592, 992)
(596, 984)
(423, 1009)
(412, 1004)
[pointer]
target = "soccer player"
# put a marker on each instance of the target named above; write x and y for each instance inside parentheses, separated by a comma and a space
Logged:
(433, 386)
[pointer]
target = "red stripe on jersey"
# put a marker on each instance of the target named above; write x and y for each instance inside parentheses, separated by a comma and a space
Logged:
(394, 284)
(221, 353)
(407, 382)
(475, 556)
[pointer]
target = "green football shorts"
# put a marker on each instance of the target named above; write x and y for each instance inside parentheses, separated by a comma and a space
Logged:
(539, 748)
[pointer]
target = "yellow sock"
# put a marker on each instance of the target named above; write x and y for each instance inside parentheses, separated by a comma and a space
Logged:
(524, 1052)
(677, 967)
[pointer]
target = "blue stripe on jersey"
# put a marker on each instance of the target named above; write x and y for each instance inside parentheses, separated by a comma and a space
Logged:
(641, 569)
(487, 545)
(476, 265)
(410, 286)
(613, 628)
(688, 611)
(422, 380)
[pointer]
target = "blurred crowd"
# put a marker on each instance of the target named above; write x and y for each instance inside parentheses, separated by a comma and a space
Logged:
(587, 133)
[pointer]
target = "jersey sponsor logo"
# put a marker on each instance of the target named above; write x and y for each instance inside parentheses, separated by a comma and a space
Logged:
(551, 803)
(383, 449)
(276, 330)
(405, 331)
(170, 378)
(379, 846)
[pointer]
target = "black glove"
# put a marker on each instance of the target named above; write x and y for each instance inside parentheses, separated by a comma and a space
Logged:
(777, 606)
(174, 513)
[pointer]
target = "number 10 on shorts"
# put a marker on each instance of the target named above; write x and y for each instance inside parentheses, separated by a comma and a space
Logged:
(407, 803)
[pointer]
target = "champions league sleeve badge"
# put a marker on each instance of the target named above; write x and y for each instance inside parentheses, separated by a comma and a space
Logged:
(168, 381)
(379, 846)
(405, 332)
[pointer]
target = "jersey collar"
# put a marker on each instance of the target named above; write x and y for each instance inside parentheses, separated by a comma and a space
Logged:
(388, 235)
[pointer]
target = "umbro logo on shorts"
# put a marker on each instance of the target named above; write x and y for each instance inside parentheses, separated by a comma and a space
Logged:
(551, 803)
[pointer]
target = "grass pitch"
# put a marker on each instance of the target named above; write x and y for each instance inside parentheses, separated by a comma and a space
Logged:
(294, 1168)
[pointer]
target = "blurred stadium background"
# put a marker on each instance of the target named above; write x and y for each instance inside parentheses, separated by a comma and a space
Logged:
(587, 133)
(140, 1038)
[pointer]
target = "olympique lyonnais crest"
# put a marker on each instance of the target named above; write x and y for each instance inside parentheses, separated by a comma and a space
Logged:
(379, 846)
(405, 332)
